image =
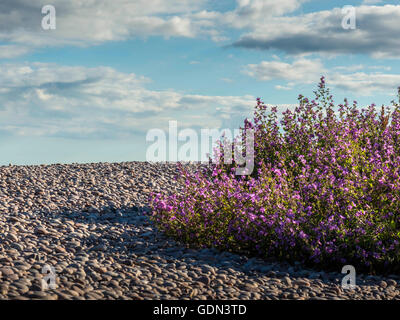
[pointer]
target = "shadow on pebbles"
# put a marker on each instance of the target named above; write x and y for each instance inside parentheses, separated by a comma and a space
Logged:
(86, 222)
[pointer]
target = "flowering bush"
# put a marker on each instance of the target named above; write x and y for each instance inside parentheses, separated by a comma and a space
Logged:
(325, 189)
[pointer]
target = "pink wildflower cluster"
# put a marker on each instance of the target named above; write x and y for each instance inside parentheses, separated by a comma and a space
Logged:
(325, 189)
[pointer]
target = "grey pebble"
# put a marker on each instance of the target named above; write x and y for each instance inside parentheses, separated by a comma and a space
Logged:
(88, 222)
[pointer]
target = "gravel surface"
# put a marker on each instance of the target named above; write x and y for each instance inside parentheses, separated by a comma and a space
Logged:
(87, 221)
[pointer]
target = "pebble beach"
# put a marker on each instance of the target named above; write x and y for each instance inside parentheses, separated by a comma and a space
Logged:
(89, 222)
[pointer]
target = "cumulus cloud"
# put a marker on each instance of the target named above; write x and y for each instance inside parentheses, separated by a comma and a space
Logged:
(321, 32)
(267, 7)
(303, 70)
(54, 100)
(366, 84)
(91, 22)
(347, 78)
(250, 13)
(87, 23)
(268, 24)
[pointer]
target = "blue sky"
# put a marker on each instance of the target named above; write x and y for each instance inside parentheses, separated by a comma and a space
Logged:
(90, 90)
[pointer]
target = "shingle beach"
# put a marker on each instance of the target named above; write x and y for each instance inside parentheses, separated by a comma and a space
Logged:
(89, 222)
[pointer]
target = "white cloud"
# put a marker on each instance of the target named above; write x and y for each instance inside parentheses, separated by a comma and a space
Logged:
(349, 68)
(88, 23)
(54, 100)
(321, 32)
(91, 22)
(279, 87)
(369, 2)
(227, 80)
(42, 95)
(386, 68)
(302, 71)
(366, 84)
(249, 13)
(267, 24)
(12, 51)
